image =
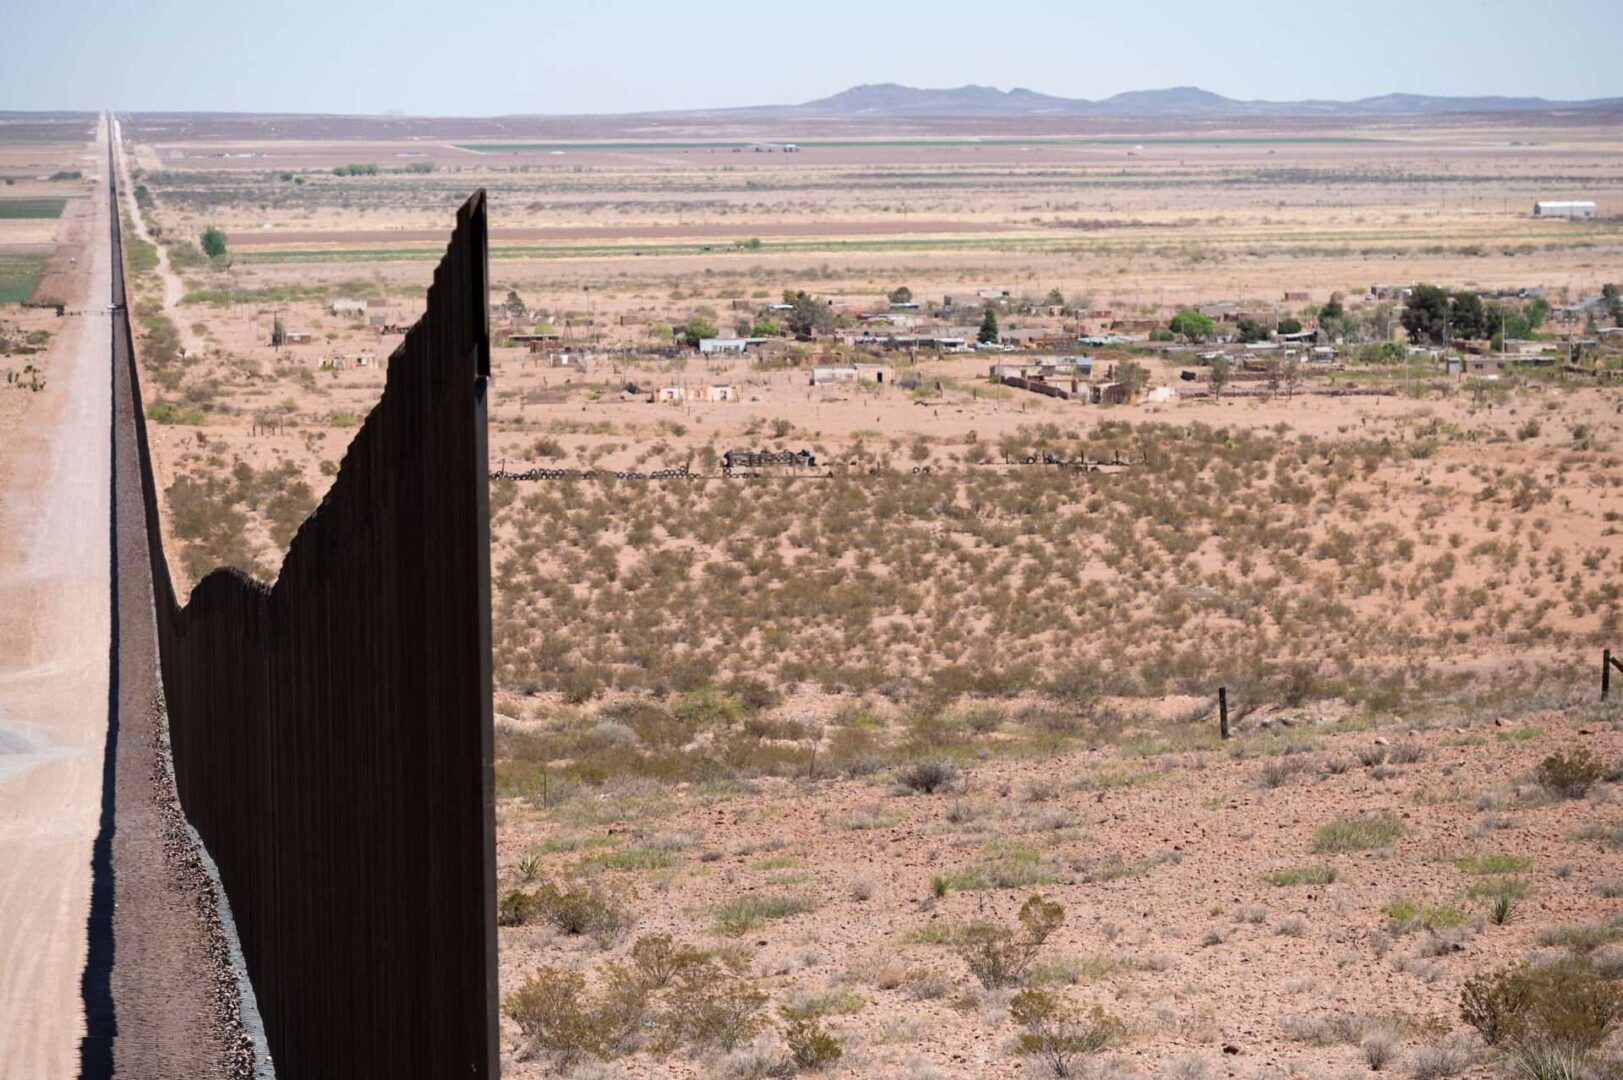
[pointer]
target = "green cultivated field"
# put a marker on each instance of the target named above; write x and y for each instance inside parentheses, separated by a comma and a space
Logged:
(18, 276)
(46, 207)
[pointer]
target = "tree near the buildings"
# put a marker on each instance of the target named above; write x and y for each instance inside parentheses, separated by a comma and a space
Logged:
(1193, 325)
(1133, 377)
(1425, 316)
(1222, 367)
(213, 242)
(1292, 374)
(1055, 298)
(1289, 325)
(1333, 309)
(902, 295)
(988, 333)
(807, 314)
(1467, 318)
(697, 329)
(1251, 330)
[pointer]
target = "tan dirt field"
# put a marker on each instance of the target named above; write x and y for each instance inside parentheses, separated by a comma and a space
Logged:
(711, 690)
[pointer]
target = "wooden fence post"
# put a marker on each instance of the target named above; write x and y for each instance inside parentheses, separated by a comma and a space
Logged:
(1223, 711)
(1605, 673)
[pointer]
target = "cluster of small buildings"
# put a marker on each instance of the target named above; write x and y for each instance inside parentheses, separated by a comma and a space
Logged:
(715, 393)
(1072, 378)
(878, 374)
(375, 311)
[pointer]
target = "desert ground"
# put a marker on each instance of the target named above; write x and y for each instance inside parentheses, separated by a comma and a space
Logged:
(54, 418)
(781, 757)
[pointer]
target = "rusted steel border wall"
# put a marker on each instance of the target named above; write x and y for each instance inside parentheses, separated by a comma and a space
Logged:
(332, 732)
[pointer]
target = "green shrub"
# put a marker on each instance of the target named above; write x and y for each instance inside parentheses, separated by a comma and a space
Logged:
(997, 955)
(659, 958)
(574, 909)
(1570, 775)
(709, 1009)
(557, 1014)
(1057, 1037)
(811, 1045)
(1406, 915)
(517, 908)
(1364, 833)
(1564, 1002)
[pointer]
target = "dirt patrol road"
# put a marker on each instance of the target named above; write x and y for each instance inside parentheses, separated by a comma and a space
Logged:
(54, 649)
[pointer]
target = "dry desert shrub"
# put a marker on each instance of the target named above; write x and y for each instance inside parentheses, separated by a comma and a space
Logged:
(927, 777)
(562, 1019)
(1563, 1002)
(1570, 775)
(998, 955)
(811, 1045)
(574, 908)
(1379, 1048)
(1059, 1038)
(1439, 1061)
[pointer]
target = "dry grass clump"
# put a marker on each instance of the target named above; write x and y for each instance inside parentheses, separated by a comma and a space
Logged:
(747, 912)
(1344, 1028)
(1441, 1060)
(1304, 874)
(1357, 833)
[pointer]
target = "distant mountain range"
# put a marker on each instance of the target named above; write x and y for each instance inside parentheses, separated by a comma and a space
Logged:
(893, 100)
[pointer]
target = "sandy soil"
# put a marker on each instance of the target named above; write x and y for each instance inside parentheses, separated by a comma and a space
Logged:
(53, 685)
(1160, 855)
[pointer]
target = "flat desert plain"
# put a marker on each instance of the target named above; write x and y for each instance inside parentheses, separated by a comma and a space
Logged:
(783, 757)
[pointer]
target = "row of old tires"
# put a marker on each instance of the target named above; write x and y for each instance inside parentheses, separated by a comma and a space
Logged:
(679, 473)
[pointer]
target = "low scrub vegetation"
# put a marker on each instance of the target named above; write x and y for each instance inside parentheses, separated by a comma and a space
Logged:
(668, 995)
(747, 912)
(1361, 833)
(998, 955)
(1305, 874)
(1570, 775)
(1546, 1020)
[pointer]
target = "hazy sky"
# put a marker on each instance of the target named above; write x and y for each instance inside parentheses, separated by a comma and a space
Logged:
(567, 56)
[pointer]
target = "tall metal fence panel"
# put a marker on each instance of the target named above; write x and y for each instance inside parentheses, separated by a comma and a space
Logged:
(332, 732)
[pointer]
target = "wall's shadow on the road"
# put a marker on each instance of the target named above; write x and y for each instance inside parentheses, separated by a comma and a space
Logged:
(96, 983)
